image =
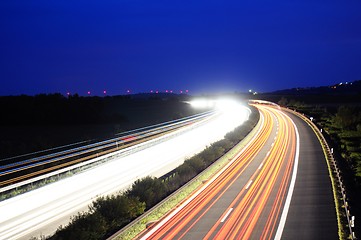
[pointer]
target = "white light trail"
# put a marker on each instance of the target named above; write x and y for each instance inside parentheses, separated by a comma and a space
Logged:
(39, 211)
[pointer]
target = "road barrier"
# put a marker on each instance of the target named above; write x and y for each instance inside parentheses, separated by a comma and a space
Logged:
(96, 159)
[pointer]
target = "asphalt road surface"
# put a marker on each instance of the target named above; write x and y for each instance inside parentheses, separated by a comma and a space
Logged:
(277, 187)
(312, 213)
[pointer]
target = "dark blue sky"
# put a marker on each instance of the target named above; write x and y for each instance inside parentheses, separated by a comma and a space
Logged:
(51, 46)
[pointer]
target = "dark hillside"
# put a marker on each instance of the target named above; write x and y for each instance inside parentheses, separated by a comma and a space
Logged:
(349, 93)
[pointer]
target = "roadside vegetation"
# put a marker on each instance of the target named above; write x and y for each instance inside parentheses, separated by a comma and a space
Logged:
(107, 215)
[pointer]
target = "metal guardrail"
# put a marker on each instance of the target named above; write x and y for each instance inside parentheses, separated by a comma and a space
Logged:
(333, 164)
(113, 155)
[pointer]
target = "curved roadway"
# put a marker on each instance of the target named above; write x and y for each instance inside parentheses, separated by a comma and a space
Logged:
(277, 187)
(312, 213)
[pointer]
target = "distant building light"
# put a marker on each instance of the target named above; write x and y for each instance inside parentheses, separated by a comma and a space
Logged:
(128, 91)
(151, 91)
(88, 92)
(187, 91)
(181, 91)
(166, 91)
(105, 92)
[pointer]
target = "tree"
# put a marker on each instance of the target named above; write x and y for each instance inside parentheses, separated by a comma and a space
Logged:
(233, 136)
(118, 210)
(185, 172)
(197, 163)
(85, 226)
(283, 101)
(149, 190)
(346, 118)
(208, 155)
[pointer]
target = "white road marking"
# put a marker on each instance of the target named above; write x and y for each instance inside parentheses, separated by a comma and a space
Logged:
(260, 166)
(225, 216)
(249, 183)
(291, 188)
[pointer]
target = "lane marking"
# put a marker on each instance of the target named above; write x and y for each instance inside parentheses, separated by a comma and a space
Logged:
(178, 209)
(282, 223)
(268, 153)
(225, 216)
(249, 183)
(260, 166)
(272, 144)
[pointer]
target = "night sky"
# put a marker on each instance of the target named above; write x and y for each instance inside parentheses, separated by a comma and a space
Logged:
(49, 46)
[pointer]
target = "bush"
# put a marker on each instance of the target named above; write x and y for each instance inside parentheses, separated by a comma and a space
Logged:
(106, 215)
(85, 226)
(149, 190)
(118, 210)
(185, 172)
(197, 163)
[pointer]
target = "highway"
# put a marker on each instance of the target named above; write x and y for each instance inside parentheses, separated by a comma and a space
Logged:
(41, 211)
(19, 171)
(277, 187)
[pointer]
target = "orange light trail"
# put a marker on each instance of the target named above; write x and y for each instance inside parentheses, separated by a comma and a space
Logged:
(247, 216)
